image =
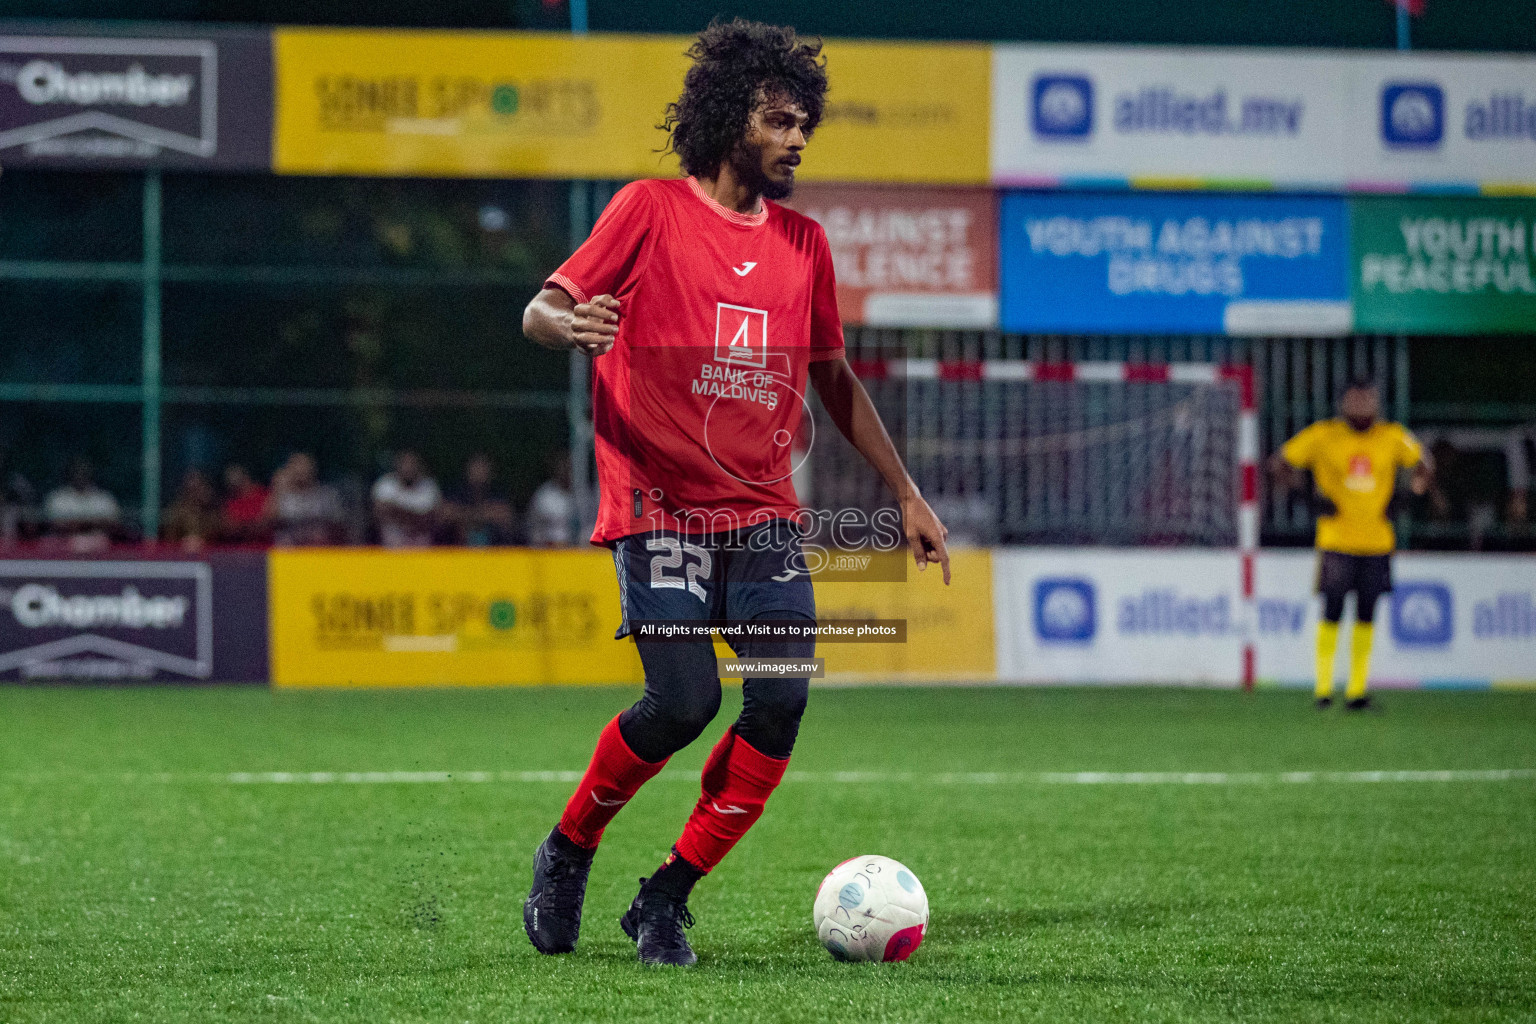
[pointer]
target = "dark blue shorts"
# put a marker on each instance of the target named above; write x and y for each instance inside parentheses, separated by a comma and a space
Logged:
(754, 573)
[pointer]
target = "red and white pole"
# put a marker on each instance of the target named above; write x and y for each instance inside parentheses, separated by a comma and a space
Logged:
(1247, 512)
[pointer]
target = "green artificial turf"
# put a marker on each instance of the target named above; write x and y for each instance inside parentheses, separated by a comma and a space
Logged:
(137, 882)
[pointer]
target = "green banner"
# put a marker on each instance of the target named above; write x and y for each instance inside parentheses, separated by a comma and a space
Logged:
(1437, 265)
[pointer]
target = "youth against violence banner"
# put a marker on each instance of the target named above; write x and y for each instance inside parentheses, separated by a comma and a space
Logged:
(923, 257)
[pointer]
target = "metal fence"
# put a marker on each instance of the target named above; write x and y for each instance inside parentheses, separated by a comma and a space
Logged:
(194, 307)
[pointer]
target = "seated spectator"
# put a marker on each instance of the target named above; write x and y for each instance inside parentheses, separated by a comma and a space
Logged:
(552, 512)
(17, 501)
(1518, 453)
(1481, 473)
(192, 520)
(481, 512)
(1439, 499)
(86, 516)
(245, 508)
(406, 503)
(303, 511)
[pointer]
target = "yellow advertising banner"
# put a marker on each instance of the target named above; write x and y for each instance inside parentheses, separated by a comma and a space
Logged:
(362, 617)
(463, 617)
(949, 629)
(458, 104)
(904, 112)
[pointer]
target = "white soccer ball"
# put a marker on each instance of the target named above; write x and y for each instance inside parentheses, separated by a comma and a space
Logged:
(870, 908)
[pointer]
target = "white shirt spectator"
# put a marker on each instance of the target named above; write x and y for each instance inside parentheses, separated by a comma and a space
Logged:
(549, 515)
(83, 514)
(67, 505)
(307, 516)
(421, 499)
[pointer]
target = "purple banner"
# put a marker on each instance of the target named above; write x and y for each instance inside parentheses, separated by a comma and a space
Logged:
(139, 620)
(110, 101)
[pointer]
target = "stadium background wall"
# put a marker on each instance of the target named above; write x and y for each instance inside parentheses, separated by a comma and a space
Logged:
(1466, 25)
(371, 618)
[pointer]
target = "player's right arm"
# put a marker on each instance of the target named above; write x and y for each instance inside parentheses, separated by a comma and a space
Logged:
(555, 320)
(1296, 456)
(562, 316)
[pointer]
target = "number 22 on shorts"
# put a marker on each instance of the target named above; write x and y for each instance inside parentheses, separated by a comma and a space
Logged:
(671, 551)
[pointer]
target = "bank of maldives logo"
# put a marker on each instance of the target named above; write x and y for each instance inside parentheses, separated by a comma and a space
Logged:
(1412, 115)
(741, 335)
(1422, 615)
(1063, 107)
(1064, 610)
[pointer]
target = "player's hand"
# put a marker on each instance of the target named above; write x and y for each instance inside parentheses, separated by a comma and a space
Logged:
(595, 324)
(925, 534)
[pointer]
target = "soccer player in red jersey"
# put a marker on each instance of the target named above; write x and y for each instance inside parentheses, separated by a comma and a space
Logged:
(705, 307)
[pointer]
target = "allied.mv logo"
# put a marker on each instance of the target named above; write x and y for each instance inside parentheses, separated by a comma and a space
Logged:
(1063, 107)
(1412, 115)
(1064, 610)
(1422, 615)
(741, 335)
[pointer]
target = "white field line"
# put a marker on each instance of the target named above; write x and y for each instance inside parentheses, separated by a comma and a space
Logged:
(916, 778)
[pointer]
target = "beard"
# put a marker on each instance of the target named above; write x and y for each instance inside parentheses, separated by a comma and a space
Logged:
(747, 162)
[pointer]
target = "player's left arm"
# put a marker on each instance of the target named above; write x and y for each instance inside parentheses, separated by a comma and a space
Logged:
(1413, 454)
(849, 406)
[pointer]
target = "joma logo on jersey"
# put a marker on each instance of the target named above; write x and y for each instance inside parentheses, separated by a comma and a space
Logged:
(741, 335)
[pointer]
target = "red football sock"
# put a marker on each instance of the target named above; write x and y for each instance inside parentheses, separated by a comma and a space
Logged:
(614, 775)
(737, 782)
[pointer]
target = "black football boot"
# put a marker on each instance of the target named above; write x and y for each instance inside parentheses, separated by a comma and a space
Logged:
(655, 920)
(552, 912)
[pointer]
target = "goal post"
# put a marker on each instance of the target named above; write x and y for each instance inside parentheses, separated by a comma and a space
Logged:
(1012, 451)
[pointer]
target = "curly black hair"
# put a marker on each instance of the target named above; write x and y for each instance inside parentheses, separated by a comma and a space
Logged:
(734, 64)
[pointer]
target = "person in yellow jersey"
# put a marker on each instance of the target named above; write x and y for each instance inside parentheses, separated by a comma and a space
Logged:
(1354, 460)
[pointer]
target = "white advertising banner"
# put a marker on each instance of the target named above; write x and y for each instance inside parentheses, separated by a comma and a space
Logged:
(1449, 120)
(1297, 118)
(1087, 615)
(1452, 620)
(1120, 112)
(1098, 615)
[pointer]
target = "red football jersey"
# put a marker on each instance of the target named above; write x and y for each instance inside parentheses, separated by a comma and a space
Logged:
(720, 314)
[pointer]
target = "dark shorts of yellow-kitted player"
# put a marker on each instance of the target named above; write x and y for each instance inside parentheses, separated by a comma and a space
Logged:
(1368, 577)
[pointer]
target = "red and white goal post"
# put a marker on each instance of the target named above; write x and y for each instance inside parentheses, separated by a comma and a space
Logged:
(1015, 451)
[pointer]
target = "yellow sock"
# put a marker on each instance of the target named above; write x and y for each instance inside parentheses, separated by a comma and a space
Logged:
(1327, 643)
(1359, 659)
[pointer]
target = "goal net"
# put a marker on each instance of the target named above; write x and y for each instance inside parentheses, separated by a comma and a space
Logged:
(1085, 453)
(1017, 452)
